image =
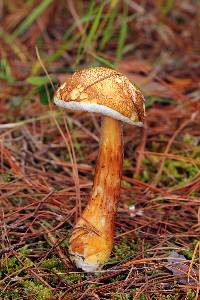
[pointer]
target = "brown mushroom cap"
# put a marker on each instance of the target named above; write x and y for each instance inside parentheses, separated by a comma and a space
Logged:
(104, 91)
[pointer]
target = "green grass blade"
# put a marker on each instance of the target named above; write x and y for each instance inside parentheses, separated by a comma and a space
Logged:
(37, 11)
(93, 30)
(104, 61)
(88, 16)
(5, 71)
(109, 28)
(167, 7)
(37, 80)
(122, 34)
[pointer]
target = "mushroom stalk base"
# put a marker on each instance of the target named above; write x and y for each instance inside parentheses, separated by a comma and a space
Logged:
(92, 238)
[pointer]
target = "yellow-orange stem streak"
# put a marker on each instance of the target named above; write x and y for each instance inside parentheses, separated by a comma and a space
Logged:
(92, 238)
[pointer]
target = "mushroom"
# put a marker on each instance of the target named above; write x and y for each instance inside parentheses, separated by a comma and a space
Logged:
(110, 93)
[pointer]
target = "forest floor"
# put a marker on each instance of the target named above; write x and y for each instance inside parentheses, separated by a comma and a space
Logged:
(156, 252)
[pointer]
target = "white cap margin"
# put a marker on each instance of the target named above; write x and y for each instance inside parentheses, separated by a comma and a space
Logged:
(96, 108)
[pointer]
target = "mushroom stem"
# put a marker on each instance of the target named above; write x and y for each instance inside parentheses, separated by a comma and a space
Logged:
(92, 238)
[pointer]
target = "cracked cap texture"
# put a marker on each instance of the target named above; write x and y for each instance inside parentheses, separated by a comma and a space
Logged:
(104, 91)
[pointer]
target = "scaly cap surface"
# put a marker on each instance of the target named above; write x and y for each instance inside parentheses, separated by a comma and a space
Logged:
(104, 91)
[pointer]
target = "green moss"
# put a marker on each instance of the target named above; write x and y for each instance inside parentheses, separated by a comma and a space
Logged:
(36, 290)
(72, 278)
(10, 295)
(189, 252)
(25, 250)
(125, 183)
(53, 262)
(188, 139)
(7, 177)
(121, 296)
(147, 246)
(175, 172)
(169, 296)
(10, 266)
(145, 176)
(92, 285)
(147, 169)
(191, 295)
(117, 278)
(27, 262)
(124, 250)
(179, 171)
(143, 297)
(126, 163)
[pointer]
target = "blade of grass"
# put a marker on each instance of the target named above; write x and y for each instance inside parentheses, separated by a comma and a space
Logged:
(89, 15)
(8, 39)
(70, 38)
(93, 30)
(166, 7)
(5, 71)
(122, 34)
(109, 27)
(104, 61)
(37, 11)
(37, 80)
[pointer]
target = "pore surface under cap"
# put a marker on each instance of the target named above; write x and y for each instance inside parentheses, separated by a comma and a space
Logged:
(96, 108)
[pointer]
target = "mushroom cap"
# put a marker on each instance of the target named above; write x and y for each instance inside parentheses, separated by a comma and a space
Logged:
(105, 91)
